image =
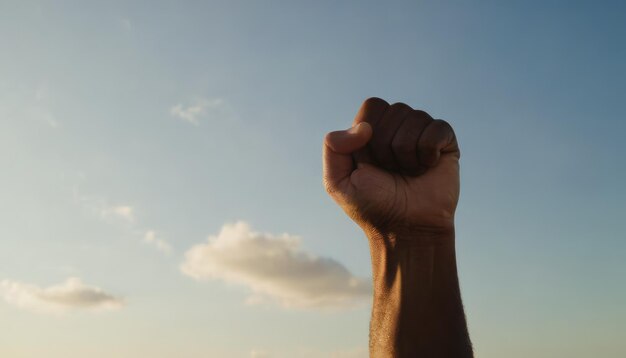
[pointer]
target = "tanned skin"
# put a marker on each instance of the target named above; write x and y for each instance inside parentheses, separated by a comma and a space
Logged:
(395, 172)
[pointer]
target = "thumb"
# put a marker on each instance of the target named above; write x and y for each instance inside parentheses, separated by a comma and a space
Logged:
(337, 158)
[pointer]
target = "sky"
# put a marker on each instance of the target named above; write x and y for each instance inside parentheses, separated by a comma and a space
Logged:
(161, 188)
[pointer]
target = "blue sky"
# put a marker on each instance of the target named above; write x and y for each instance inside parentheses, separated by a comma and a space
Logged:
(130, 133)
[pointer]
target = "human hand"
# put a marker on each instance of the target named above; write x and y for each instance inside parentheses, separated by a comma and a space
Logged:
(395, 171)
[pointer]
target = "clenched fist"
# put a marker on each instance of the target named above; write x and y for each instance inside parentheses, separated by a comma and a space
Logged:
(395, 171)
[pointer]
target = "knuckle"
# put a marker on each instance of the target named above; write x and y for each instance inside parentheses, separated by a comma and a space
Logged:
(446, 130)
(400, 106)
(444, 125)
(374, 102)
(328, 140)
(327, 137)
(422, 114)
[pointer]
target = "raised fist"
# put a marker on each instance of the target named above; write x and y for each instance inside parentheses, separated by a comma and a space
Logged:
(395, 171)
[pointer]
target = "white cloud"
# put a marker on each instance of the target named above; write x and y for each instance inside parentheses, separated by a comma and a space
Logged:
(100, 207)
(124, 212)
(124, 217)
(274, 267)
(69, 295)
(200, 108)
(150, 237)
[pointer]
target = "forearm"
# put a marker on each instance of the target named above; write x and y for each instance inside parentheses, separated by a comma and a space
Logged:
(417, 309)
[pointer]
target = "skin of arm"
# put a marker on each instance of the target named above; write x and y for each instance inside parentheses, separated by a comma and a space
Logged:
(395, 172)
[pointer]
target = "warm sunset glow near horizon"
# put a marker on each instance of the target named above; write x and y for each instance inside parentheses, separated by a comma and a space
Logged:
(161, 188)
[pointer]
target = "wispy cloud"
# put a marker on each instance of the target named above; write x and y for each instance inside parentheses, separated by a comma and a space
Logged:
(72, 294)
(124, 216)
(274, 267)
(124, 212)
(151, 237)
(200, 108)
(102, 208)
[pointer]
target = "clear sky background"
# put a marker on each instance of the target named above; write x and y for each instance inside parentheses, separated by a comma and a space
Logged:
(132, 132)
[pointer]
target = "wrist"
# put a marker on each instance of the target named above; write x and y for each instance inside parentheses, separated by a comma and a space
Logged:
(400, 259)
(405, 236)
(406, 254)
